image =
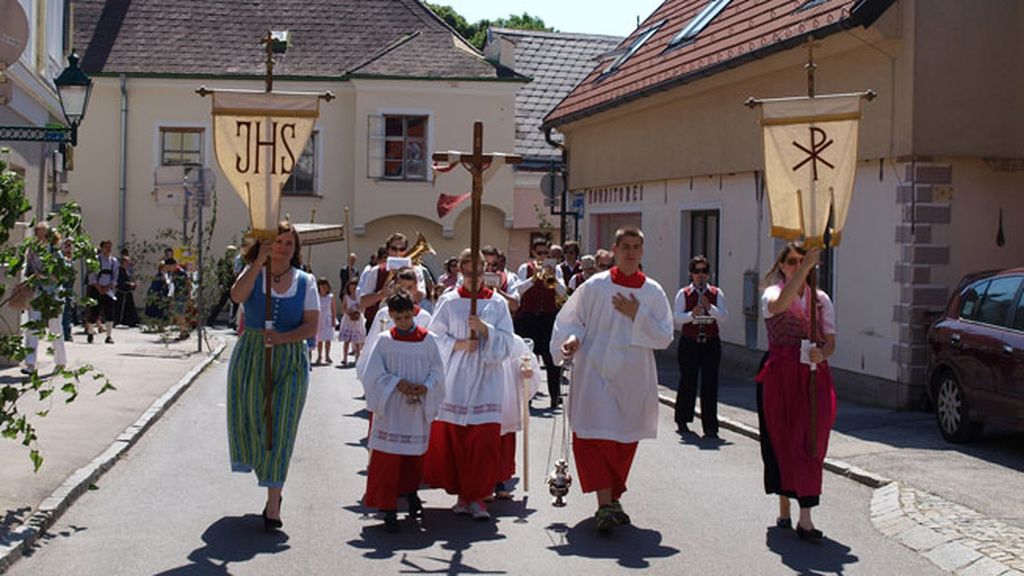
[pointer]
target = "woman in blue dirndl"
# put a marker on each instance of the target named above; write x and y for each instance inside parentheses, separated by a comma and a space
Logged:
(294, 313)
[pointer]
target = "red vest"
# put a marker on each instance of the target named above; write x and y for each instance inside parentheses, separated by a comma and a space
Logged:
(382, 276)
(691, 329)
(539, 299)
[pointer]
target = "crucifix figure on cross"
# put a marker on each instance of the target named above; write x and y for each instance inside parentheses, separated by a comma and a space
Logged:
(476, 162)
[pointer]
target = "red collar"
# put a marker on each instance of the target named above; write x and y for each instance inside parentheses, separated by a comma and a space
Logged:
(416, 309)
(485, 293)
(417, 335)
(636, 280)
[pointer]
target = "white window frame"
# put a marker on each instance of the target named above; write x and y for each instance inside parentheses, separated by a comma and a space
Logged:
(376, 141)
(161, 128)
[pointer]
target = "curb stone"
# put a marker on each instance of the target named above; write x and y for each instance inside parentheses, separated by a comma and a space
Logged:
(22, 537)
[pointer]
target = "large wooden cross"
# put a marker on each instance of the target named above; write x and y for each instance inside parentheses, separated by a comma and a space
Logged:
(476, 162)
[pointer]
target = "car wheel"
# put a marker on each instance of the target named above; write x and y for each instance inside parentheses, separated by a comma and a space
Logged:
(951, 410)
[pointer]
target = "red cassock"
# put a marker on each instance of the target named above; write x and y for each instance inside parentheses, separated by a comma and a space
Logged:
(603, 464)
(507, 462)
(392, 475)
(462, 459)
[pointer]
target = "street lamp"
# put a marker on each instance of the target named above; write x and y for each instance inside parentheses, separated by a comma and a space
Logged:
(73, 89)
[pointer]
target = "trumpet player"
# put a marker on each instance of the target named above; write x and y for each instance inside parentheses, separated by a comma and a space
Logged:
(699, 308)
(373, 282)
(540, 289)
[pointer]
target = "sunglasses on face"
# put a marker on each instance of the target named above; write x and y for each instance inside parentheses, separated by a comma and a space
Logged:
(396, 249)
(794, 261)
(700, 270)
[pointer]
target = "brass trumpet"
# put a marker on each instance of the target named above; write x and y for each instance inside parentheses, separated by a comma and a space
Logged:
(544, 276)
(415, 254)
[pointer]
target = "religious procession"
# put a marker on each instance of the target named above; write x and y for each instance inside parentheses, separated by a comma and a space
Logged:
(500, 298)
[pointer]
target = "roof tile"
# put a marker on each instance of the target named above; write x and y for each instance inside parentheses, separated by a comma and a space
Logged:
(742, 28)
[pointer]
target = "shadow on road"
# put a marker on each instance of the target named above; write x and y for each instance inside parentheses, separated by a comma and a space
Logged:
(630, 546)
(453, 532)
(231, 539)
(822, 557)
(12, 519)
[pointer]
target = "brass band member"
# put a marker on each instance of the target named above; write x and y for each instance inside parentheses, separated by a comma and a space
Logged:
(539, 290)
(699, 308)
(372, 283)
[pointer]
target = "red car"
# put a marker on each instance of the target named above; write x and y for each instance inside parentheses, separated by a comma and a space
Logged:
(976, 370)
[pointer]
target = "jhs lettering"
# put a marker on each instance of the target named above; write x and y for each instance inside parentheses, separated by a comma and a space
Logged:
(282, 133)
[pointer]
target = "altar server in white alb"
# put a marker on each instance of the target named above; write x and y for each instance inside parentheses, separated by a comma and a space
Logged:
(464, 442)
(521, 382)
(405, 279)
(404, 383)
(610, 328)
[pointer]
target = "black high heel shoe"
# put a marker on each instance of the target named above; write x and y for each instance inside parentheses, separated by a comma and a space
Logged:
(809, 534)
(273, 524)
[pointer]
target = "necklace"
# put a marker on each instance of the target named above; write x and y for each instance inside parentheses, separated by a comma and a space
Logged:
(277, 277)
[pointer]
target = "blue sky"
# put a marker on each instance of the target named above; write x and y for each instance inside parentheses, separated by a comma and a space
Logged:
(590, 16)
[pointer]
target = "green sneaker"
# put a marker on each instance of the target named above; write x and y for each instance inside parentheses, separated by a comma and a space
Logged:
(619, 514)
(606, 520)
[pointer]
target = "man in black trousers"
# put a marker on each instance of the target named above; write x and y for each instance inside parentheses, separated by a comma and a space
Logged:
(699, 309)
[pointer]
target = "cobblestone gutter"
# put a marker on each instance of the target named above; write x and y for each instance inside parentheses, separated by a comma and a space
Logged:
(954, 537)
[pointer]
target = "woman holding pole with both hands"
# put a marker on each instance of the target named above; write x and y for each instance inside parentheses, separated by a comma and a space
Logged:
(796, 400)
(295, 314)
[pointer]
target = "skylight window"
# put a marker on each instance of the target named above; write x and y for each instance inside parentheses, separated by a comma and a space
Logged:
(637, 43)
(699, 22)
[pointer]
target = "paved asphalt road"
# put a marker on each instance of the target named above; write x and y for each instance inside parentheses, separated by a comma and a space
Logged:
(173, 507)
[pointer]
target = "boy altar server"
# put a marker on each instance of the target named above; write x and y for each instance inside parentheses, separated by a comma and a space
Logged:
(405, 279)
(465, 439)
(611, 326)
(404, 383)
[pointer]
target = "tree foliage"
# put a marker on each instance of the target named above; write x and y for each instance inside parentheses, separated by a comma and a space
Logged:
(49, 287)
(476, 33)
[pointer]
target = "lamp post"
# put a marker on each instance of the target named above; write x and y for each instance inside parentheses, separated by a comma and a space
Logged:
(73, 89)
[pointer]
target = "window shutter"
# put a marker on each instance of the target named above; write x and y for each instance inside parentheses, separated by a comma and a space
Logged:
(375, 146)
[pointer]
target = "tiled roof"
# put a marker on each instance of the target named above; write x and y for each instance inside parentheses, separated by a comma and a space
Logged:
(556, 61)
(221, 37)
(743, 30)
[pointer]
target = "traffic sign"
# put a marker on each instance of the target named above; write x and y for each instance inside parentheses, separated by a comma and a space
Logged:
(552, 184)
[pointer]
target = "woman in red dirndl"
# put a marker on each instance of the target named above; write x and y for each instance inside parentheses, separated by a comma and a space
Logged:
(793, 453)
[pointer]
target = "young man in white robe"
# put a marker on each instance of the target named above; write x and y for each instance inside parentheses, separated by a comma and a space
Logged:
(465, 439)
(404, 383)
(610, 328)
(405, 279)
(521, 382)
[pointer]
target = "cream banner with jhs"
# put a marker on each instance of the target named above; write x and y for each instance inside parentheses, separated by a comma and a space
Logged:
(258, 138)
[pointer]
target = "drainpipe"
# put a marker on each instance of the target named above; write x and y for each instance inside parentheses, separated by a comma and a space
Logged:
(565, 189)
(123, 177)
